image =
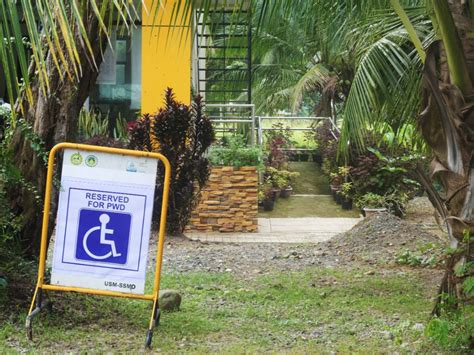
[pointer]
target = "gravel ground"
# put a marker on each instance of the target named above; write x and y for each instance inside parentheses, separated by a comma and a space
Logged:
(376, 240)
(371, 247)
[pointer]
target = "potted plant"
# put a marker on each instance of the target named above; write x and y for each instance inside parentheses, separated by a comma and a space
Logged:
(372, 203)
(233, 151)
(346, 193)
(272, 178)
(281, 181)
(335, 184)
(288, 179)
(304, 155)
(338, 195)
(317, 156)
(343, 171)
(337, 179)
(266, 195)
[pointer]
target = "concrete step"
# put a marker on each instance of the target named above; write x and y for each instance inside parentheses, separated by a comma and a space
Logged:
(284, 230)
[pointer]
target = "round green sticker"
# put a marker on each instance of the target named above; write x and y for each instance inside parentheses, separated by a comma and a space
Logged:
(76, 159)
(91, 161)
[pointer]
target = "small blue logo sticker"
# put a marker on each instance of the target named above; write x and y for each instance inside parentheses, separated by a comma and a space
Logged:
(103, 236)
(131, 167)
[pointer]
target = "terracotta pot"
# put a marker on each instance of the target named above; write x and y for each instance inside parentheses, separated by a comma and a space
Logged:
(371, 211)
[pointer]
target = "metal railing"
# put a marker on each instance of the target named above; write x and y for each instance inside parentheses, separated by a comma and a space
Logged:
(261, 128)
(225, 114)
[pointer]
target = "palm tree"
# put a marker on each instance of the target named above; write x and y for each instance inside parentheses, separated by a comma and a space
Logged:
(57, 61)
(428, 83)
(316, 58)
(301, 59)
(413, 63)
(447, 124)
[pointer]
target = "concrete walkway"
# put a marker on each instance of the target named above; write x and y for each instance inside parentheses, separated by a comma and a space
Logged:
(284, 230)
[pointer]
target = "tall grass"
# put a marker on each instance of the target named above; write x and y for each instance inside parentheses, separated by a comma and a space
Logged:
(92, 124)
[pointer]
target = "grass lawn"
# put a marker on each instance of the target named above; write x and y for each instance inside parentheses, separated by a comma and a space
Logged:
(312, 310)
(318, 201)
(299, 138)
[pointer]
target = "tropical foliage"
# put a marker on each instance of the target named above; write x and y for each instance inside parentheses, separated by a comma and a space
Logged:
(404, 55)
(233, 151)
(312, 61)
(50, 53)
(94, 123)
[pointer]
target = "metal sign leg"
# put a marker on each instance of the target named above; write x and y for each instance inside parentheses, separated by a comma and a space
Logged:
(40, 305)
(155, 321)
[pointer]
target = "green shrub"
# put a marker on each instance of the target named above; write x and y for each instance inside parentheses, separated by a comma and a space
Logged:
(92, 124)
(234, 152)
(386, 173)
(453, 331)
(415, 259)
(280, 179)
(5, 113)
(371, 200)
(11, 178)
(394, 203)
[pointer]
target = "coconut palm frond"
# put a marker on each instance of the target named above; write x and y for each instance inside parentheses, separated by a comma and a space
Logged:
(377, 77)
(387, 82)
(57, 29)
(316, 77)
(277, 100)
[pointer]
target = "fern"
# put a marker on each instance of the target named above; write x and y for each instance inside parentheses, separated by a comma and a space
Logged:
(468, 286)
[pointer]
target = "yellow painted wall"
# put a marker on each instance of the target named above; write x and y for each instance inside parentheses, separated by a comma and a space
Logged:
(166, 56)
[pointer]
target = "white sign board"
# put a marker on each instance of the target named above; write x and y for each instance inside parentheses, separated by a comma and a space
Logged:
(104, 221)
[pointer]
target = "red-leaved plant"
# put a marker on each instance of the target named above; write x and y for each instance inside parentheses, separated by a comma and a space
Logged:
(181, 133)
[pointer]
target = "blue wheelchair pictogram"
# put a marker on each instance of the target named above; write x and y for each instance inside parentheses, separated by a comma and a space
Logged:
(103, 236)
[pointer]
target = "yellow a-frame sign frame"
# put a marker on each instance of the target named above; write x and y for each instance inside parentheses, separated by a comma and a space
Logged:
(41, 286)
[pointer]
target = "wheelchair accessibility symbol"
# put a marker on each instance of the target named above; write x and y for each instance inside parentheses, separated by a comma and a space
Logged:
(103, 236)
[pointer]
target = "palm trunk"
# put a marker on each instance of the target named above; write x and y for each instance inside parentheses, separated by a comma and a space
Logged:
(455, 53)
(53, 117)
(447, 123)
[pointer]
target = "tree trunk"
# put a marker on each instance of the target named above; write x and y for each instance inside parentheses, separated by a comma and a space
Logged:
(53, 117)
(447, 123)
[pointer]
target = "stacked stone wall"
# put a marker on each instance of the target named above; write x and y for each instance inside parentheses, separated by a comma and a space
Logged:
(229, 202)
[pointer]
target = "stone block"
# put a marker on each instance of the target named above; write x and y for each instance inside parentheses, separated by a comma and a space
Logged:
(210, 202)
(229, 201)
